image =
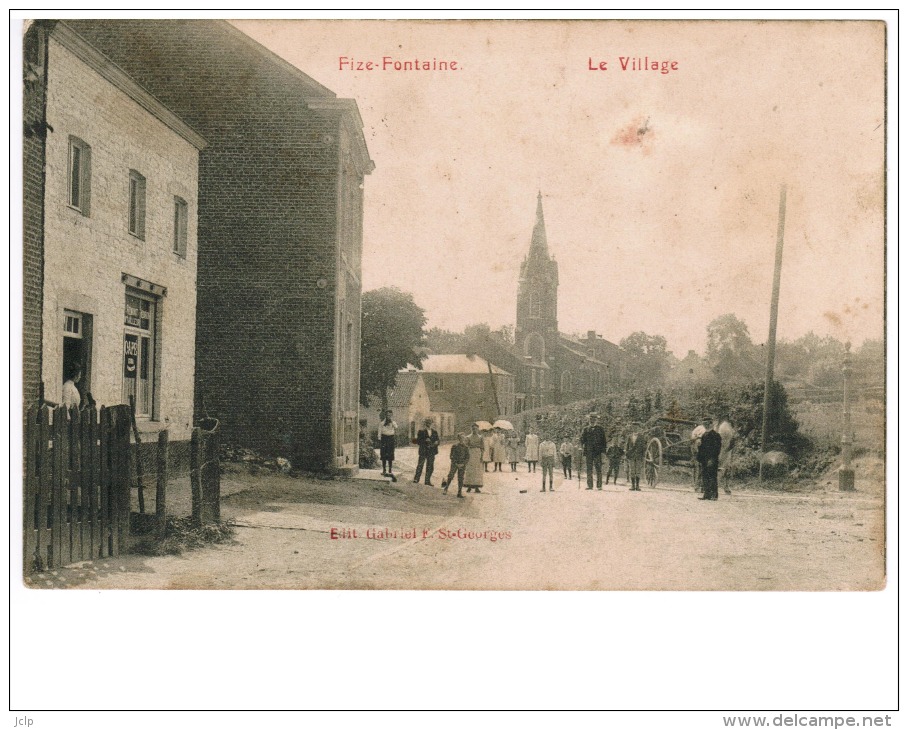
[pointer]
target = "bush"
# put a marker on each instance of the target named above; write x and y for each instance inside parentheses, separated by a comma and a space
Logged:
(741, 403)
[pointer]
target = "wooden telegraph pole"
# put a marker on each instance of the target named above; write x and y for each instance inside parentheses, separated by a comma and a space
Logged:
(773, 318)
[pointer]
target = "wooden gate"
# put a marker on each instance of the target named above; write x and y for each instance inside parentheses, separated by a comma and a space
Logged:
(77, 485)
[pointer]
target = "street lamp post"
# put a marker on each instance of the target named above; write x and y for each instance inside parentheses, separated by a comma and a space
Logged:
(846, 472)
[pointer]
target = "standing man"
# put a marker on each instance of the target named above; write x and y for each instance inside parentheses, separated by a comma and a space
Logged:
(695, 437)
(592, 439)
(635, 452)
(547, 450)
(428, 439)
(708, 456)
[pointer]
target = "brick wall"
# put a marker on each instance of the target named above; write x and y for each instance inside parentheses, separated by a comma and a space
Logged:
(85, 256)
(269, 256)
(33, 209)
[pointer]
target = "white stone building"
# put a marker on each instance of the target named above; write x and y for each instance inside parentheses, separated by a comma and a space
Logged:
(120, 204)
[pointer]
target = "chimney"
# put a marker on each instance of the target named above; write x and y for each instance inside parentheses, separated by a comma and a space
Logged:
(591, 335)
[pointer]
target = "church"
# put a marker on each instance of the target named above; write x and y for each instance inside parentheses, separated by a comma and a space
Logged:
(551, 367)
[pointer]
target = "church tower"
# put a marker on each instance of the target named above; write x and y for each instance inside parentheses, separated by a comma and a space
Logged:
(536, 333)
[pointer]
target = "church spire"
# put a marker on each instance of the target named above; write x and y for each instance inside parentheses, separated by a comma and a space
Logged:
(538, 245)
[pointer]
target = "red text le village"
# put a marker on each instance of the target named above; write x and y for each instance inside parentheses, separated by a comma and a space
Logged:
(634, 63)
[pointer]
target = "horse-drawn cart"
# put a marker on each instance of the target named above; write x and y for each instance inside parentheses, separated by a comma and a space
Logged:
(670, 442)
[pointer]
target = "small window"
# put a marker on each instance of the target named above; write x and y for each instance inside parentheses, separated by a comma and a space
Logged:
(479, 385)
(79, 175)
(439, 383)
(136, 204)
(180, 217)
(72, 324)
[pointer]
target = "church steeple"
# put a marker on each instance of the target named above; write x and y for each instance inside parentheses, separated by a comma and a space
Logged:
(537, 293)
(539, 247)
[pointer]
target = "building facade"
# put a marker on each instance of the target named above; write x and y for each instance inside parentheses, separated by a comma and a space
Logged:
(279, 234)
(470, 387)
(110, 235)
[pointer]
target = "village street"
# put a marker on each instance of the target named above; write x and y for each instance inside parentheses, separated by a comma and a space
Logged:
(294, 533)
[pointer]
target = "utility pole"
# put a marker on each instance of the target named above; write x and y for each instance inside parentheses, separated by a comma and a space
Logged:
(773, 318)
(846, 472)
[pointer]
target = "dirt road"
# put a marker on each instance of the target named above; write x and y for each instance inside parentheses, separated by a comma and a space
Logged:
(297, 533)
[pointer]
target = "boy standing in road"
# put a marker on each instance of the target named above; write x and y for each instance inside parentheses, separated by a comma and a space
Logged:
(460, 455)
(547, 450)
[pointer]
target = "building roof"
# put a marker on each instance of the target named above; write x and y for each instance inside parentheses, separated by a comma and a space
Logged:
(403, 389)
(459, 364)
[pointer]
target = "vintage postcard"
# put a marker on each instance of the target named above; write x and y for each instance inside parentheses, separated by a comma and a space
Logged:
(454, 305)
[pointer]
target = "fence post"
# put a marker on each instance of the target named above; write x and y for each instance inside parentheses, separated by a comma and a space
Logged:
(160, 494)
(124, 483)
(104, 485)
(29, 529)
(195, 475)
(211, 477)
(43, 482)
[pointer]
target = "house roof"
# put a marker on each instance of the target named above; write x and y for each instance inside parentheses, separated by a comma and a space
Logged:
(459, 364)
(403, 389)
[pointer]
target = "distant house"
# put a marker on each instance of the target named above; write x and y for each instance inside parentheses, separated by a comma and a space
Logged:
(411, 404)
(471, 387)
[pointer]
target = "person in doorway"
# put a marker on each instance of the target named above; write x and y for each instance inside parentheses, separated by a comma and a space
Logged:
(472, 477)
(387, 435)
(460, 457)
(635, 453)
(72, 397)
(592, 439)
(531, 443)
(566, 451)
(708, 457)
(547, 452)
(427, 439)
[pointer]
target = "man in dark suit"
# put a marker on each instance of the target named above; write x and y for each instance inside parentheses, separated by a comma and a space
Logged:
(592, 439)
(428, 439)
(708, 457)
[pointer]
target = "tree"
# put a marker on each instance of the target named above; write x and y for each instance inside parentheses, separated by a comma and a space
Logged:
(393, 331)
(729, 350)
(646, 357)
(727, 336)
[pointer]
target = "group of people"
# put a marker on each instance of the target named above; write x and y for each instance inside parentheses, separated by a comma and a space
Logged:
(472, 454)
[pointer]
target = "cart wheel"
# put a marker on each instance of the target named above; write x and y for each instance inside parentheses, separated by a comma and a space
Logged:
(652, 462)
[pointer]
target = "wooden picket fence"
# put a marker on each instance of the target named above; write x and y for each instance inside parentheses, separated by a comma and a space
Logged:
(77, 485)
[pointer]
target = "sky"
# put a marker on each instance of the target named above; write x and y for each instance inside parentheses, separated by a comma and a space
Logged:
(661, 191)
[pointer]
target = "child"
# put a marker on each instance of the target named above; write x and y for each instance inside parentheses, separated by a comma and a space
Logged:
(547, 460)
(460, 455)
(614, 453)
(566, 451)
